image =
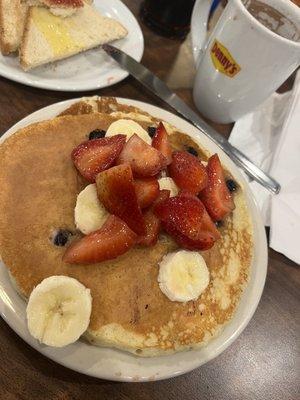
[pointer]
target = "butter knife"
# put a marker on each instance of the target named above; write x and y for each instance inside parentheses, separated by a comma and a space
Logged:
(160, 89)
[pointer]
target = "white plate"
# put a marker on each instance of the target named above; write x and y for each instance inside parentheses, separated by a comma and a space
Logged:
(117, 365)
(90, 70)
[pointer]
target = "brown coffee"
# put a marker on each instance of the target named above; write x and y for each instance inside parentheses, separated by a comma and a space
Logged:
(273, 19)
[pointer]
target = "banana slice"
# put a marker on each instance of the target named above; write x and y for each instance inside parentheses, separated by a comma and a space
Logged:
(134, 115)
(58, 311)
(89, 213)
(128, 127)
(183, 275)
(169, 184)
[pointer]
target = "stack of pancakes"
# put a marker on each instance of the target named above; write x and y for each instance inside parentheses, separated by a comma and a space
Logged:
(39, 186)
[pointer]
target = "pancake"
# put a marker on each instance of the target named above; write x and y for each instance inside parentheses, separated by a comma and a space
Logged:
(39, 186)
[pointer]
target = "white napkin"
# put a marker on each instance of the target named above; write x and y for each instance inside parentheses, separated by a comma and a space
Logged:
(270, 136)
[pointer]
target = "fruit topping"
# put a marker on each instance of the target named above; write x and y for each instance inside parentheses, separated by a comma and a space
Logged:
(116, 191)
(188, 172)
(152, 222)
(168, 183)
(184, 217)
(183, 275)
(110, 241)
(146, 190)
(128, 127)
(161, 142)
(151, 131)
(89, 213)
(219, 224)
(97, 134)
(94, 156)
(192, 151)
(61, 237)
(164, 194)
(58, 311)
(231, 185)
(216, 196)
(144, 159)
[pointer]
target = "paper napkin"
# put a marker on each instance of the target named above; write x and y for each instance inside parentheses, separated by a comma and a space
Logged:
(270, 136)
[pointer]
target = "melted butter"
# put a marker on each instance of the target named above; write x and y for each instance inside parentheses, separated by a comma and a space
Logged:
(56, 31)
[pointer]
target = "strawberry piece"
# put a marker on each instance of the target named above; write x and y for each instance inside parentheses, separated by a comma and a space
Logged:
(152, 222)
(216, 196)
(147, 191)
(94, 156)
(161, 142)
(112, 240)
(207, 222)
(184, 217)
(164, 194)
(64, 3)
(116, 191)
(188, 172)
(144, 159)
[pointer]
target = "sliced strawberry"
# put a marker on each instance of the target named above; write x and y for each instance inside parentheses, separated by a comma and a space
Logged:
(188, 172)
(64, 3)
(207, 222)
(146, 190)
(116, 191)
(216, 196)
(161, 142)
(152, 222)
(152, 229)
(144, 159)
(112, 240)
(184, 217)
(94, 156)
(164, 194)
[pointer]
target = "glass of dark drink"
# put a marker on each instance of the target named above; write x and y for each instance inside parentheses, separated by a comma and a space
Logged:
(169, 18)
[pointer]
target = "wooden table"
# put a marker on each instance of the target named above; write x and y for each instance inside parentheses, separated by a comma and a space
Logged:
(260, 364)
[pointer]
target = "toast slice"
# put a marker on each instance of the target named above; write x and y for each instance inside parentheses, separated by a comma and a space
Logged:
(12, 19)
(49, 38)
(60, 8)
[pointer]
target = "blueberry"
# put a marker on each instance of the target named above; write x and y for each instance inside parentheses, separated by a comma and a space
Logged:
(61, 237)
(192, 151)
(232, 185)
(97, 134)
(151, 131)
(219, 224)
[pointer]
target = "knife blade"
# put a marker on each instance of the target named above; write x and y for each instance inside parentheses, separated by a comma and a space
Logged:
(161, 90)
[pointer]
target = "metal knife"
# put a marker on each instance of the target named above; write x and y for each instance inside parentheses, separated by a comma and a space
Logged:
(160, 89)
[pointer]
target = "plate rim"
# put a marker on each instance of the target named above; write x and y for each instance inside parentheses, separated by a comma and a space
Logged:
(39, 83)
(257, 220)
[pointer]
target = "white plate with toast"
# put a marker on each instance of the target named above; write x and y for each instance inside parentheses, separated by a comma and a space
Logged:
(107, 363)
(89, 70)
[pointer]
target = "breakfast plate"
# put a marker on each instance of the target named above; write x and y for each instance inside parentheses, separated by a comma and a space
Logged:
(90, 70)
(107, 363)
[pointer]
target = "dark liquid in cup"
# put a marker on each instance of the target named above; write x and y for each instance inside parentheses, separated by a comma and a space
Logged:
(273, 19)
(170, 18)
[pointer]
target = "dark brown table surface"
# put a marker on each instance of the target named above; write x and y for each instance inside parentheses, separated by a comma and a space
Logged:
(261, 364)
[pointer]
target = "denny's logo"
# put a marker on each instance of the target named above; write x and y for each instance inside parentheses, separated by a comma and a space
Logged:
(223, 60)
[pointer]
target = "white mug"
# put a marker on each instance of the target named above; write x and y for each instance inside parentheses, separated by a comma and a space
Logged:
(242, 62)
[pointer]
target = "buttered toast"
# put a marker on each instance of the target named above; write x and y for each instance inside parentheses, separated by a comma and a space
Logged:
(49, 38)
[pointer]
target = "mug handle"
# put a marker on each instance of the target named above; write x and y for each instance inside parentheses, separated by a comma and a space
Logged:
(199, 23)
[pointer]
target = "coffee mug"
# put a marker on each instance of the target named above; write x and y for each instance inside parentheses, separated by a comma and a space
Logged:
(253, 49)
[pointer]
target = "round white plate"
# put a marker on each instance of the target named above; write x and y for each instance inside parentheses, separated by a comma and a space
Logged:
(90, 70)
(117, 365)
